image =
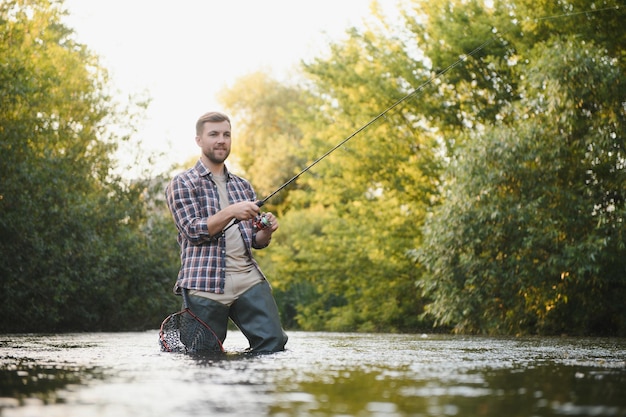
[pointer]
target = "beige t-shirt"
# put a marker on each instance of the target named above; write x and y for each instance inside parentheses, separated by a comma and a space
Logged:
(241, 274)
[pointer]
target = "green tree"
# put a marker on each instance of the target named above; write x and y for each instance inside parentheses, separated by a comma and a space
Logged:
(389, 176)
(486, 82)
(266, 131)
(73, 235)
(363, 206)
(481, 52)
(530, 233)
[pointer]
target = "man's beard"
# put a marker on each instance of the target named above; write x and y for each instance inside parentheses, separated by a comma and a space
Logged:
(211, 156)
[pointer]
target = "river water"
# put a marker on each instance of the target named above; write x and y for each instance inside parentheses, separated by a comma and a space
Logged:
(320, 374)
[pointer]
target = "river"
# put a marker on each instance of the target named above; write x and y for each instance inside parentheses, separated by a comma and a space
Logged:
(320, 374)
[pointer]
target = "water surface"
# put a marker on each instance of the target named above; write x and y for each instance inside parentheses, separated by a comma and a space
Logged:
(321, 374)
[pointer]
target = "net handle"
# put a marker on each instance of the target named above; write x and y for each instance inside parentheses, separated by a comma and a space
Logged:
(188, 310)
(185, 298)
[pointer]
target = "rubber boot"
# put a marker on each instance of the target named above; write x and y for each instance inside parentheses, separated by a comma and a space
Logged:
(256, 315)
(197, 338)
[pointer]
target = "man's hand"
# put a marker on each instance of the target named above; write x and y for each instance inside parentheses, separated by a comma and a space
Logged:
(244, 210)
(263, 236)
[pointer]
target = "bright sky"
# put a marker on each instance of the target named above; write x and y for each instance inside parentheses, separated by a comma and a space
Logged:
(182, 53)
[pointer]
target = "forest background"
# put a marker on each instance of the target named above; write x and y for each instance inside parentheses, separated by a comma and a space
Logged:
(490, 201)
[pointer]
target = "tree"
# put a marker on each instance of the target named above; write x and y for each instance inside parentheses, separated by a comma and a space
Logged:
(488, 86)
(71, 231)
(267, 135)
(356, 218)
(529, 235)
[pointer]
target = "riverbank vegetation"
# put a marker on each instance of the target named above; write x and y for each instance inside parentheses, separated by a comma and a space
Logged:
(491, 201)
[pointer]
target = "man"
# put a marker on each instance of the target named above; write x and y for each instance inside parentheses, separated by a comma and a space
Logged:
(215, 212)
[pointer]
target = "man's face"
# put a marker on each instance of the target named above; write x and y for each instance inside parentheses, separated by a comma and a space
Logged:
(215, 141)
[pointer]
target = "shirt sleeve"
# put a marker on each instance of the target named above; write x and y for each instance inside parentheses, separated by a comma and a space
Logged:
(255, 245)
(186, 212)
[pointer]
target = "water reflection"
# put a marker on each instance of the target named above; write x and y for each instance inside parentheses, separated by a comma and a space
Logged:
(320, 375)
(26, 380)
(548, 389)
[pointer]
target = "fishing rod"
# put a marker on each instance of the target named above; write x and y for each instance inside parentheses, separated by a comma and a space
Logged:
(375, 119)
(261, 222)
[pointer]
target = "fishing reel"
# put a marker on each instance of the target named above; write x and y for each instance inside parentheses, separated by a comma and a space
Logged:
(261, 222)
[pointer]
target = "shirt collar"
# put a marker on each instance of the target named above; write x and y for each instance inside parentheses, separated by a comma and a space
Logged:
(203, 171)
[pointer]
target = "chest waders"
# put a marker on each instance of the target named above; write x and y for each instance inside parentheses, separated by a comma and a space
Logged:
(255, 313)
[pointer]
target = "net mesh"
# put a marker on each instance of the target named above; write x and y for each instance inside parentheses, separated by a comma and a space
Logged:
(184, 332)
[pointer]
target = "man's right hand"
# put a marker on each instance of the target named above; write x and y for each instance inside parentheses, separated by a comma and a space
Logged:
(244, 210)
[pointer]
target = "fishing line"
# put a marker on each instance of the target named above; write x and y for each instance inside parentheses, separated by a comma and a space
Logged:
(375, 119)
(411, 94)
(259, 222)
(558, 16)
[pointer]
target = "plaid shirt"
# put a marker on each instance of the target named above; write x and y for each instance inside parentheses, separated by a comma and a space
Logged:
(192, 197)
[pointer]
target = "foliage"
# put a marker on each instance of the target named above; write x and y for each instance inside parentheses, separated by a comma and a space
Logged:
(74, 241)
(341, 259)
(535, 207)
(267, 120)
(487, 197)
(507, 156)
(529, 234)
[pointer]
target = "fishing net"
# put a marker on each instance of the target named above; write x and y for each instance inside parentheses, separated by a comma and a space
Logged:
(184, 332)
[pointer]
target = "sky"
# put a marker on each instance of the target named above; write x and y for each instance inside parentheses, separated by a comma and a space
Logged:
(182, 53)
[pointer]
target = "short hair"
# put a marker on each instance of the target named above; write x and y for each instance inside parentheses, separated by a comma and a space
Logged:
(213, 117)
